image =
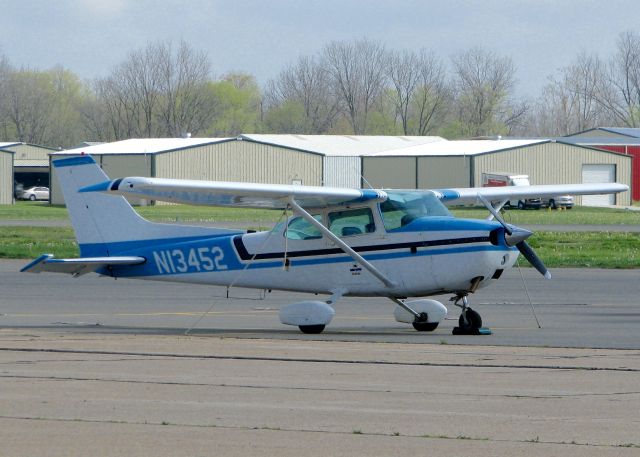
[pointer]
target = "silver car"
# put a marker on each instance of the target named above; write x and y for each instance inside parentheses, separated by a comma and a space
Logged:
(560, 201)
(35, 193)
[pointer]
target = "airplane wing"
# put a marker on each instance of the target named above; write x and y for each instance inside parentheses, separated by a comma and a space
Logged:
(249, 195)
(466, 196)
(78, 267)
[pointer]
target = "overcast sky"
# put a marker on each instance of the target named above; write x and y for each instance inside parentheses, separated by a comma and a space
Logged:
(90, 37)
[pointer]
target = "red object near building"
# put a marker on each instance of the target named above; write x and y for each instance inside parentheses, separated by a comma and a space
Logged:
(633, 151)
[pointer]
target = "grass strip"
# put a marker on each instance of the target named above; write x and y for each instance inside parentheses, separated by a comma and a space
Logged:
(580, 215)
(557, 249)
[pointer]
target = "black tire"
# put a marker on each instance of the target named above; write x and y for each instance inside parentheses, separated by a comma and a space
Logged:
(521, 205)
(474, 321)
(32, 198)
(425, 326)
(311, 329)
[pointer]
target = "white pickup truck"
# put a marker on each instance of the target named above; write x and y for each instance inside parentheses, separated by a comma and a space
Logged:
(507, 179)
(498, 179)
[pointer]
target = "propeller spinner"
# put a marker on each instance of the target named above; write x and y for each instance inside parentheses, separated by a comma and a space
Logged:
(516, 236)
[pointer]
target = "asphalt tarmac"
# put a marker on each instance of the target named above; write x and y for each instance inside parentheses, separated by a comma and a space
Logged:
(94, 366)
(577, 308)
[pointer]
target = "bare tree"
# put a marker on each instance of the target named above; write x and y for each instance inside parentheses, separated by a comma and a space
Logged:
(570, 102)
(29, 101)
(483, 83)
(5, 71)
(357, 72)
(140, 75)
(419, 91)
(119, 106)
(184, 78)
(155, 92)
(308, 84)
(404, 73)
(619, 89)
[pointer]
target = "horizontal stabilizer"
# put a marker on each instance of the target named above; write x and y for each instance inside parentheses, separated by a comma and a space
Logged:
(78, 267)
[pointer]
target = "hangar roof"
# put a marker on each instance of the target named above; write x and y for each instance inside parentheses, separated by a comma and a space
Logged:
(625, 131)
(8, 145)
(593, 141)
(343, 145)
(143, 146)
(460, 148)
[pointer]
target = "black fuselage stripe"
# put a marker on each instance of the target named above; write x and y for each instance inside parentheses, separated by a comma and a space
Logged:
(245, 255)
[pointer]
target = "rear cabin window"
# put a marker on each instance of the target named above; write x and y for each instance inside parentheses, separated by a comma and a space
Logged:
(351, 222)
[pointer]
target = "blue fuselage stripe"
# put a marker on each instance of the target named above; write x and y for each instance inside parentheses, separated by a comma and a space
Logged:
(389, 256)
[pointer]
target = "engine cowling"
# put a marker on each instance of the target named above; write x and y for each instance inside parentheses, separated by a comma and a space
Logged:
(307, 313)
(435, 310)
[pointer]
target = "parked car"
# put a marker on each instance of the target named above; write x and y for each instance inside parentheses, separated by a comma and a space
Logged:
(35, 193)
(500, 179)
(561, 201)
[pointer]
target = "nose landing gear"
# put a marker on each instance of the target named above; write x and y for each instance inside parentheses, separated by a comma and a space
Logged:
(470, 322)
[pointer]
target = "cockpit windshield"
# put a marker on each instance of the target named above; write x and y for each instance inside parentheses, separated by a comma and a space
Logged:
(403, 207)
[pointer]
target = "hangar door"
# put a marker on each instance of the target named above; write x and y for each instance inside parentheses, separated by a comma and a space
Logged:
(598, 174)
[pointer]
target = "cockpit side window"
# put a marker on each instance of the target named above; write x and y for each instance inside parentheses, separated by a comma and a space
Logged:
(351, 222)
(401, 208)
(300, 229)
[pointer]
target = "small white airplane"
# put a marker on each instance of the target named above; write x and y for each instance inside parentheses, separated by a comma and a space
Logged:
(338, 242)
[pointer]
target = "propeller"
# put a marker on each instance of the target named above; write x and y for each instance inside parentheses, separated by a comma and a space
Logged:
(529, 254)
(516, 236)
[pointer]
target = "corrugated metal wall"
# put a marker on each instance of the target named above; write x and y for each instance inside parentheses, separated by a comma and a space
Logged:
(242, 161)
(390, 172)
(443, 172)
(30, 153)
(342, 172)
(6, 178)
(123, 165)
(553, 163)
(115, 166)
(55, 193)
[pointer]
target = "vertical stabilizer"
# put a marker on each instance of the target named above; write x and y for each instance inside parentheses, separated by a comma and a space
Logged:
(107, 224)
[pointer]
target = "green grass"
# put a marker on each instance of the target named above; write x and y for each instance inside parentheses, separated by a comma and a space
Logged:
(579, 215)
(570, 249)
(566, 249)
(587, 249)
(35, 211)
(188, 213)
(31, 242)
(38, 211)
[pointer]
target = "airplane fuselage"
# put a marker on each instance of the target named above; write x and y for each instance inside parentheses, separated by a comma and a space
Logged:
(432, 255)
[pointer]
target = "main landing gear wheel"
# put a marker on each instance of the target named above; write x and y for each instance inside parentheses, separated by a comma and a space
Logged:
(311, 329)
(425, 326)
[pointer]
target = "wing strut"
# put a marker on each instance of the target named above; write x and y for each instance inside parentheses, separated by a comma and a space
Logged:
(342, 245)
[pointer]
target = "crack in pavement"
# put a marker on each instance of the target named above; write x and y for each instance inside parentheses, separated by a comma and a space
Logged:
(328, 432)
(315, 360)
(314, 389)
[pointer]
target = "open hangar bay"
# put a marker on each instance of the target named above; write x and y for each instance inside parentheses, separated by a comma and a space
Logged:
(98, 366)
